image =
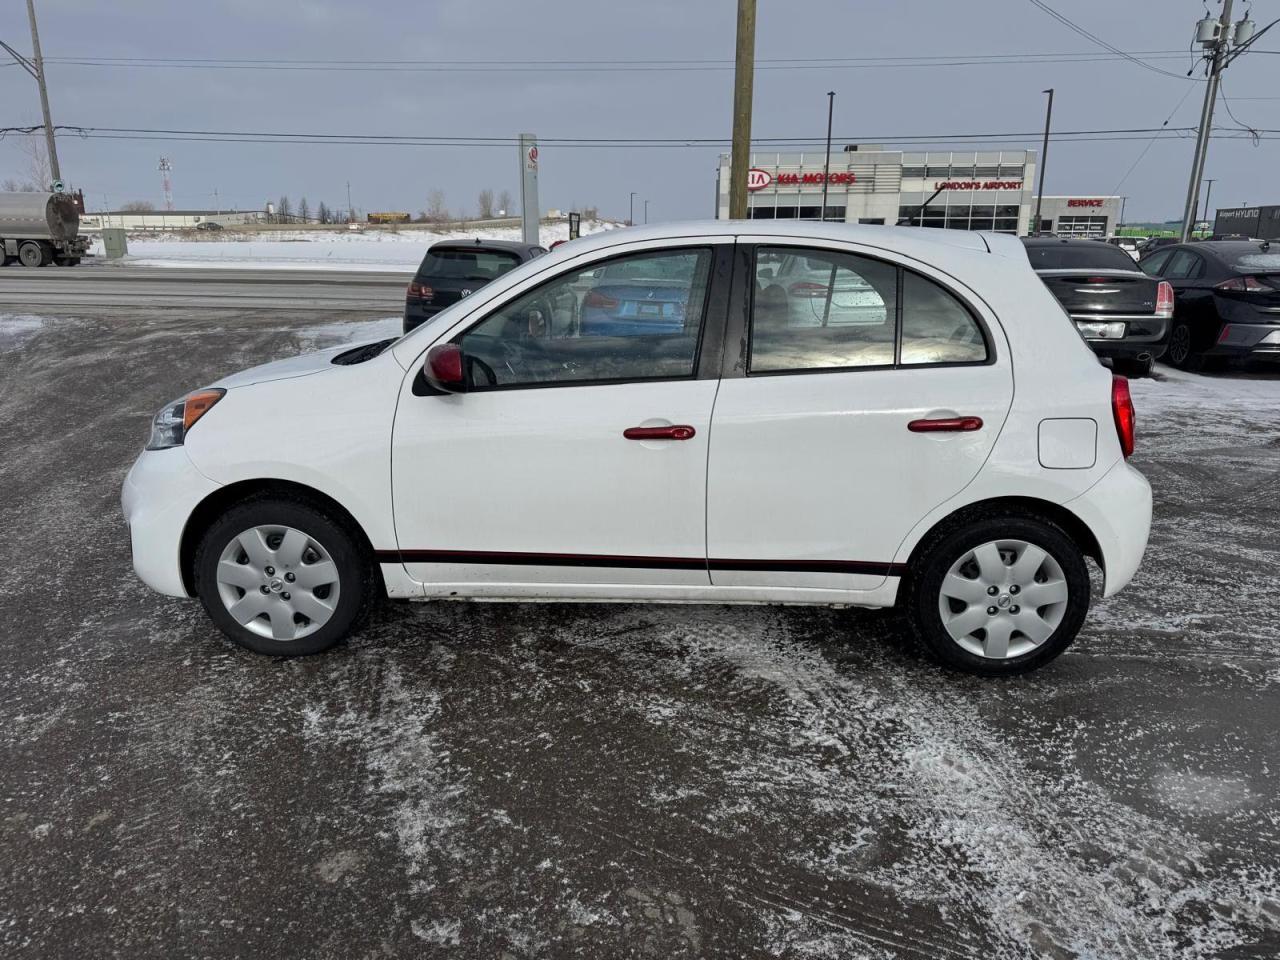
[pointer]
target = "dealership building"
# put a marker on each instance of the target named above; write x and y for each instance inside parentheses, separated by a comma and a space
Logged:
(985, 190)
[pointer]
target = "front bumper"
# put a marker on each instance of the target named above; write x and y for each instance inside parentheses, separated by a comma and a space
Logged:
(1117, 509)
(159, 494)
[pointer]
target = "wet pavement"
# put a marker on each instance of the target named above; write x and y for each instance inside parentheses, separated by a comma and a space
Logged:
(470, 780)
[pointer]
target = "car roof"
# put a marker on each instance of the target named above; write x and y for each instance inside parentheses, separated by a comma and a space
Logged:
(877, 235)
(480, 243)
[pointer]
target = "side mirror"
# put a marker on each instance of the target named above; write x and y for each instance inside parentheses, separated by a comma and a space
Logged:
(443, 368)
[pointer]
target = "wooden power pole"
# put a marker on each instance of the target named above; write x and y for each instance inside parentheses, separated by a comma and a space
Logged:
(743, 76)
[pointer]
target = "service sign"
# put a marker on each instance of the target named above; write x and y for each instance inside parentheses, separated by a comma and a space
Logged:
(758, 179)
(1082, 202)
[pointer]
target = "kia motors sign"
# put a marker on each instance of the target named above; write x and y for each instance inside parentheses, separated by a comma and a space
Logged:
(758, 179)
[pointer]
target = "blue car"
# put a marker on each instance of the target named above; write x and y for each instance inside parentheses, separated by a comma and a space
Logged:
(638, 298)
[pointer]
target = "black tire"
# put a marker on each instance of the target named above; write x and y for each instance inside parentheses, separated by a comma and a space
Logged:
(1132, 367)
(1182, 353)
(358, 583)
(32, 253)
(942, 550)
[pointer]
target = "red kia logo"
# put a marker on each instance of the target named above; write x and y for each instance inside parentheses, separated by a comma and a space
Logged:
(758, 179)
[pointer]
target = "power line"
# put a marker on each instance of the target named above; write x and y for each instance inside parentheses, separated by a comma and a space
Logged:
(594, 66)
(1094, 38)
(1163, 127)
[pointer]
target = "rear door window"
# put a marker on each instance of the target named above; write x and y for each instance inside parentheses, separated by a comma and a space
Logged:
(1153, 264)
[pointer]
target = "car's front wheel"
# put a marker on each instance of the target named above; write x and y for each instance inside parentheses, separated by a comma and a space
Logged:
(283, 577)
(999, 595)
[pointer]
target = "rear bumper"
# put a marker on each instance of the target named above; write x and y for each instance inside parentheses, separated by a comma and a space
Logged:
(159, 494)
(1144, 335)
(1117, 509)
(416, 314)
(1261, 340)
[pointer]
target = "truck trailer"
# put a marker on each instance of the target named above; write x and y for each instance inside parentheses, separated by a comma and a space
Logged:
(37, 229)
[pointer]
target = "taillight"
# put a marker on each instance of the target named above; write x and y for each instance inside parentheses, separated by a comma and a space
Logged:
(1122, 410)
(1164, 299)
(1245, 285)
(595, 298)
(420, 291)
(805, 288)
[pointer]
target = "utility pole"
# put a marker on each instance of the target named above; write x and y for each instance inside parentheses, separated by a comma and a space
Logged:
(631, 212)
(1218, 43)
(743, 82)
(646, 211)
(826, 166)
(1044, 160)
(351, 216)
(1207, 194)
(38, 59)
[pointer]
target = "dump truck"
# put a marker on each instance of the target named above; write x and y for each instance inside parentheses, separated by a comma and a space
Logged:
(37, 229)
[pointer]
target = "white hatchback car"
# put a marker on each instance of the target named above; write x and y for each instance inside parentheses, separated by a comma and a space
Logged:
(640, 416)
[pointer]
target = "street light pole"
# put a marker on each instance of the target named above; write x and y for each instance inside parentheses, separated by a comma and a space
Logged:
(743, 80)
(1044, 160)
(1207, 194)
(646, 211)
(631, 215)
(826, 166)
(1206, 121)
(38, 60)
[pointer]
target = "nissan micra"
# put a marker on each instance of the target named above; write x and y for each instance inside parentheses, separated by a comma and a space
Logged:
(726, 412)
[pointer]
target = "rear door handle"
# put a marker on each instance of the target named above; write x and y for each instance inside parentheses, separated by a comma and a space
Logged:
(946, 425)
(677, 431)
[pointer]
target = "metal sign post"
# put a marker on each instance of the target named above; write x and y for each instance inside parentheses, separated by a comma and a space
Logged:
(529, 187)
(575, 225)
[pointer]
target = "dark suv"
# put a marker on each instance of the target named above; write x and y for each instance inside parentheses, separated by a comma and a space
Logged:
(454, 268)
(1121, 312)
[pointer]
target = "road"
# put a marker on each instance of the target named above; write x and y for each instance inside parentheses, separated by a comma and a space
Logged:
(557, 780)
(108, 285)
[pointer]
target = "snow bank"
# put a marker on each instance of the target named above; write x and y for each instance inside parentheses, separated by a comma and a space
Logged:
(375, 250)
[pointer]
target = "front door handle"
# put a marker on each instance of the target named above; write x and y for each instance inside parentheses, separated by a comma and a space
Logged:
(677, 431)
(946, 425)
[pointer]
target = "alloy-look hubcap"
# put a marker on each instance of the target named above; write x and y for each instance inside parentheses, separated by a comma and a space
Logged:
(1003, 599)
(278, 582)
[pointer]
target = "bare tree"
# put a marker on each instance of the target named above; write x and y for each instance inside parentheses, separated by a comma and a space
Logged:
(138, 206)
(322, 213)
(484, 207)
(437, 212)
(9, 185)
(304, 210)
(38, 174)
(504, 202)
(284, 211)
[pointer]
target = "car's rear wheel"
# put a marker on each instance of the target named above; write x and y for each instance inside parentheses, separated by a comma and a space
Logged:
(1182, 352)
(282, 577)
(1000, 595)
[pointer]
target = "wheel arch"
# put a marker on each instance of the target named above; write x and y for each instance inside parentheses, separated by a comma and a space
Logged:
(1060, 516)
(212, 506)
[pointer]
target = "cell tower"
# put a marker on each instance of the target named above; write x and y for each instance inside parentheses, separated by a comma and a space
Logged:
(166, 166)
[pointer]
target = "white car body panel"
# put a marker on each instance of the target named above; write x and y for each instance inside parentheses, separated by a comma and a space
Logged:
(545, 470)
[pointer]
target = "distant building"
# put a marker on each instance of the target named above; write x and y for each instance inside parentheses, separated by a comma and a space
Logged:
(1084, 216)
(169, 219)
(1262, 223)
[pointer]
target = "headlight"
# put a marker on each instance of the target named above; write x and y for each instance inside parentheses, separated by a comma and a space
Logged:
(169, 427)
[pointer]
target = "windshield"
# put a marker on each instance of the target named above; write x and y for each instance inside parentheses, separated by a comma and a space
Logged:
(1094, 256)
(477, 265)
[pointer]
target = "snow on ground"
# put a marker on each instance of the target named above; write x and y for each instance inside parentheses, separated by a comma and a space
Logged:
(15, 328)
(372, 250)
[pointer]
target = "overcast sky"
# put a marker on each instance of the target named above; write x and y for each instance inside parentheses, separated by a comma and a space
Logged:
(873, 104)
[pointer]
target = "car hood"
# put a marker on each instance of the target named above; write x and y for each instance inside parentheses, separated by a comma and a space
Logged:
(301, 366)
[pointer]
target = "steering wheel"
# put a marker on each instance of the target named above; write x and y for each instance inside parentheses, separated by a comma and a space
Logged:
(473, 361)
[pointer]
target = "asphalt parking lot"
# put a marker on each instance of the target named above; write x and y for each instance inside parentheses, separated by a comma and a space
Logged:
(617, 781)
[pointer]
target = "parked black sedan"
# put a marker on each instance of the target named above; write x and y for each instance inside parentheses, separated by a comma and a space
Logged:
(1121, 312)
(1228, 299)
(452, 269)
